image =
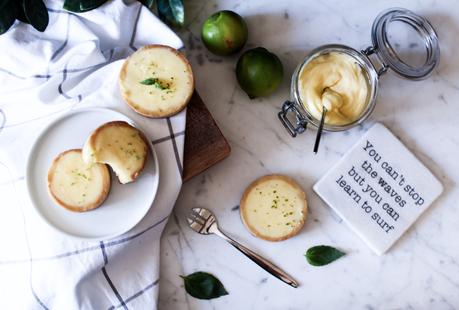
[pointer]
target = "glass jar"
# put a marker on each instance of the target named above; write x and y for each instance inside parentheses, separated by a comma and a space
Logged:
(374, 61)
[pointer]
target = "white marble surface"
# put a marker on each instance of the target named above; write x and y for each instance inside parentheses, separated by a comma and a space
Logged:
(420, 272)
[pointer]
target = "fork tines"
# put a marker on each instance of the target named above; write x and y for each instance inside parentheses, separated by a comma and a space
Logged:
(200, 220)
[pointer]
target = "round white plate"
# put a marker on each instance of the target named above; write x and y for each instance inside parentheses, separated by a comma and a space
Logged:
(125, 205)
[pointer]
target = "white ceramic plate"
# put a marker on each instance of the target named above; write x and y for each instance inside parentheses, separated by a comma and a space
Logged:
(125, 205)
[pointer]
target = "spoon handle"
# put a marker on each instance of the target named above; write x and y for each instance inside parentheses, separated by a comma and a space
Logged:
(319, 131)
(261, 261)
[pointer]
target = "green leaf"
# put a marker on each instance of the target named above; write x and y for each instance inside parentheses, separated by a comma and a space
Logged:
(178, 11)
(156, 82)
(149, 81)
(4, 2)
(322, 255)
(148, 3)
(171, 12)
(20, 15)
(36, 13)
(7, 15)
(203, 285)
(80, 6)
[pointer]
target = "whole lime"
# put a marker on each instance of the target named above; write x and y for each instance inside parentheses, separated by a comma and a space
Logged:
(224, 33)
(259, 72)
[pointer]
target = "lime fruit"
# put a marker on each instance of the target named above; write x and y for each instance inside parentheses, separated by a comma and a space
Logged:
(224, 33)
(259, 72)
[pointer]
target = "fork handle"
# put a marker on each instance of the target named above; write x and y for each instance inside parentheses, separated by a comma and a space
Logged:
(261, 261)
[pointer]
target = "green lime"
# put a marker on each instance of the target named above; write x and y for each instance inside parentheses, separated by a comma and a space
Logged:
(224, 33)
(259, 72)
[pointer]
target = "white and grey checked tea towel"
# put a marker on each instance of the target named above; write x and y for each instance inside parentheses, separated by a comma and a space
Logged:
(75, 64)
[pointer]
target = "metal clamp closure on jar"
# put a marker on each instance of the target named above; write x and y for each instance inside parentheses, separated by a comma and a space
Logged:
(301, 119)
(374, 61)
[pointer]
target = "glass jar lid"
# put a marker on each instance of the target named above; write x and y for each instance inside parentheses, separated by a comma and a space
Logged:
(413, 56)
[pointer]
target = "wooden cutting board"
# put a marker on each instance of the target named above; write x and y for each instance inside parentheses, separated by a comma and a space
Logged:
(205, 144)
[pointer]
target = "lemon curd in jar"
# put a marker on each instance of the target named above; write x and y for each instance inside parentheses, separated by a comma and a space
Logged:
(337, 82)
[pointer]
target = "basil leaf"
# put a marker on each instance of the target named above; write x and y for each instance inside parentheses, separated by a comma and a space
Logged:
(156, 82)
(7, 16)
(322, 255)
(203, 285)
(80, 6)
(149, 81)
(148, 3)
(171, 12)
(36, 13)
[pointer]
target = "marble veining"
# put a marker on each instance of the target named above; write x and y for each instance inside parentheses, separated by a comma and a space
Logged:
(420, 272)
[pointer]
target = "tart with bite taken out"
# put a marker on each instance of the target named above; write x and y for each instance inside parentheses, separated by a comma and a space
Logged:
(119, 145)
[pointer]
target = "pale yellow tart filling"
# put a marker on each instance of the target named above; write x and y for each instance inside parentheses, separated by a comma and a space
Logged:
(334, 81)
(77, 185)
(156, 81)
(274, 208)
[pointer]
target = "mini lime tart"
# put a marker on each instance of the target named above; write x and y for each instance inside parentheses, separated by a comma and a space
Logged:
(274, 208)
(156, 81)
(76, 185)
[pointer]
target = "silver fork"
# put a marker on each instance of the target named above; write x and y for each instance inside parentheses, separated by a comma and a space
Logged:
(204, 222)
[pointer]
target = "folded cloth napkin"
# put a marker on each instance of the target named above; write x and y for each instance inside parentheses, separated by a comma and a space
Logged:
(75, 63)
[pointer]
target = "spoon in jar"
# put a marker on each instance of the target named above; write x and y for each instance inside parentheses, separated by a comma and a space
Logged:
(330, 98)
(319, 130)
